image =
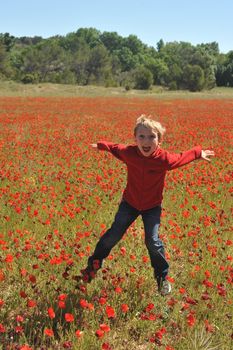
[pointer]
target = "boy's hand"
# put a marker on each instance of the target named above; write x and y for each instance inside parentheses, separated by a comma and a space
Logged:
(205, 154)
(93, 145)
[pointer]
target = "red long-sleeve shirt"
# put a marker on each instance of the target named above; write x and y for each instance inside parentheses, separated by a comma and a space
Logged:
(146, 175)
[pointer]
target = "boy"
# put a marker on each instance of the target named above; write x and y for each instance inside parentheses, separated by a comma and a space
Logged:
(147, 165)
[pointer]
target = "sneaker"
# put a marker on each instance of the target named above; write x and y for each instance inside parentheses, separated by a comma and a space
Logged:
(164, 287)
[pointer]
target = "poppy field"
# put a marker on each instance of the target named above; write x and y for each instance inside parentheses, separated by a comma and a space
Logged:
(58, 196)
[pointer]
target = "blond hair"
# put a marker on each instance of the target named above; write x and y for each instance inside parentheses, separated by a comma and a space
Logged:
(149, 123)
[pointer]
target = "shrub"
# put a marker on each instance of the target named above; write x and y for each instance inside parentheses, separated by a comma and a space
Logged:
(143, 78)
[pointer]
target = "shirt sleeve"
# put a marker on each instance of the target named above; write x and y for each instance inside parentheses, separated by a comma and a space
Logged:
(177, 160)
(117, 150)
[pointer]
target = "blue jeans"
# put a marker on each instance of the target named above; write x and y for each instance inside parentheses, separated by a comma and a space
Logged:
(125, 216)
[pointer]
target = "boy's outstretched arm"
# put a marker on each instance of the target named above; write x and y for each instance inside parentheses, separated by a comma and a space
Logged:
(205, 154)
(114, 148)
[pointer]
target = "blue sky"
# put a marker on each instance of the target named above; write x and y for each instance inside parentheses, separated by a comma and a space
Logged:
(194, 21)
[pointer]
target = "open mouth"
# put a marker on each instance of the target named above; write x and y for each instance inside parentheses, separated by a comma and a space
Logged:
(146, 149)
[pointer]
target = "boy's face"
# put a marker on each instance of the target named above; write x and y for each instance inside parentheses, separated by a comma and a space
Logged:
(146, 140)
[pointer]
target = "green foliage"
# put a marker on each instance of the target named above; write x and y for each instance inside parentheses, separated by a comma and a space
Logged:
(99, 65)
(7, 40)
(224, 73)
(160, 45)
(194, 77)
(143, 78)
(30, 78)
(111, 40)
(88, 56)
(2, 57)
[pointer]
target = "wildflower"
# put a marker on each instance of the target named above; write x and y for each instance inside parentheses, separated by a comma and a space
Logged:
(182, 291)
(9, 258)
(25, 347)
(170, 279)
(2, 276)
(61, 304)
(208, 326)
(159, 334)
(83, 303)
(118, 290)
(32, 279)
(207, 274)
(149, 307)
(31, 303)
(145, 259)
(104, 327)
(191, 320)
(78, 333)
(23, 294)
(191, 301)
(18, 329)
(69, 317)
(19, 318)
(110, 312)
(102, 301)
(124, 308)
(99, 333)
(67, 345)
(221, 290)
(2, 328)
(123, 250)
(51, 312)
(48, 332)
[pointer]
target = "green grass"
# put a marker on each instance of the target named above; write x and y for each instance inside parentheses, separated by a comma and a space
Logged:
(11, 88)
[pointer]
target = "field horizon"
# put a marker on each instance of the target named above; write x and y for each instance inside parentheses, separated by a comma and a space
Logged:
(11, 88)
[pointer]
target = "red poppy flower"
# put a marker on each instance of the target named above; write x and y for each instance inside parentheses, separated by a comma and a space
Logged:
(110, 312)
(99, 333)
(191, 320)
(48, 332)
(2, 328)
(78, 333)
(124, 308)
(51, 312)
(69, 317)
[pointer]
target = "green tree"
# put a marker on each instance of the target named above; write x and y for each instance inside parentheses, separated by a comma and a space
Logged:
(3, 57)
(224, 73)
(7, 40)
(99, 65)
(160, 45)
(127, 60)
(134, 44)
(79, 63)
(90, 35)
(179, 55)
(159, 70)
(43, 61)
(194, 77)
(27, 40)
(210, 48)
(143, 78)
(112, 41)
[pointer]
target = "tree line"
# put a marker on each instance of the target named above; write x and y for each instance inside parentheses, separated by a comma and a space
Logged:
(89, 56)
